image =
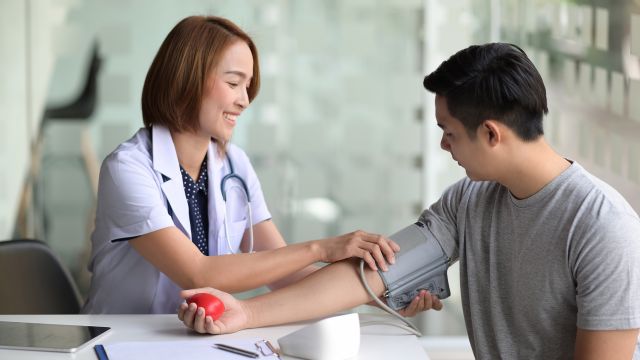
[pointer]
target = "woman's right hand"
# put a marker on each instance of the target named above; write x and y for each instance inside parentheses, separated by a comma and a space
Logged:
(376, 250)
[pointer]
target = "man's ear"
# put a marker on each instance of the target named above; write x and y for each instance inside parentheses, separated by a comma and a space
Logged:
(491, 131)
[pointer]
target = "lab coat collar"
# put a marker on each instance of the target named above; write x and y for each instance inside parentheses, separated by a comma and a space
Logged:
(165, 161)
(215, 196)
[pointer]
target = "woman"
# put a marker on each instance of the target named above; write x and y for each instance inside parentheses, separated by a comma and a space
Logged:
(162, 222)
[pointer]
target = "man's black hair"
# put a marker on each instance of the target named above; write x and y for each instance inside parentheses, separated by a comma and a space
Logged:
(492, 81)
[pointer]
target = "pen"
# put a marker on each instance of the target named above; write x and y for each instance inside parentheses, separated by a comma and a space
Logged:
(238, 351)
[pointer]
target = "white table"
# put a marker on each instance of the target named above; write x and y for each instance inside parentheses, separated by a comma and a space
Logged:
(377, 341)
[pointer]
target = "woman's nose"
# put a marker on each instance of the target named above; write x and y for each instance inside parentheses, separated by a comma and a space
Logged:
(243, 99)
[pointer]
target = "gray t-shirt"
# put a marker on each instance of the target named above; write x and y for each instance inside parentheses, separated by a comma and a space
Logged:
(533, 270)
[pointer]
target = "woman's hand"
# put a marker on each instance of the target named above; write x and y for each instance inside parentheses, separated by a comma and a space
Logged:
(376, 250)
(233, 319)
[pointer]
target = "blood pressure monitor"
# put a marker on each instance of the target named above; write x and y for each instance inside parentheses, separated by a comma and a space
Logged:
(420, 264)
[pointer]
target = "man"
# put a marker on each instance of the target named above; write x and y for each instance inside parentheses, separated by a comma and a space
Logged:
(549, 255)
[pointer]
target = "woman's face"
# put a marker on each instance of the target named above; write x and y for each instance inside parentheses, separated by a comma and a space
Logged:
(225, 95)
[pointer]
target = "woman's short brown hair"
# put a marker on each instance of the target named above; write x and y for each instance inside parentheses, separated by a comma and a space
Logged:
(175, 83)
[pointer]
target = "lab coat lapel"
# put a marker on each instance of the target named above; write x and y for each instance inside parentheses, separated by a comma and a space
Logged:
(165, 161)
(214, 172)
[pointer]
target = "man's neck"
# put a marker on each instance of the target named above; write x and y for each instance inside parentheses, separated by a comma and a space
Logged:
(531, 167)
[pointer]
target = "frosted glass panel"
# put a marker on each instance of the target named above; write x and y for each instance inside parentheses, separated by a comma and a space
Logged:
(584, 79)
(634, 164)
(635, 34)
(617, 93)
(600, 91)
(602, 29)
(634, 106)
(593, 82)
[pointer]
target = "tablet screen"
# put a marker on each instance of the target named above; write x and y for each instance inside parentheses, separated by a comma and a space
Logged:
(47, 337)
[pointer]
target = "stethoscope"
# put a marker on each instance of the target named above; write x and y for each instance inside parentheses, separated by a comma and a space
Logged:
(229, 176)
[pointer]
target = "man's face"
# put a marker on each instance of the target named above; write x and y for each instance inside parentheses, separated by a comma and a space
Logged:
(468, 153)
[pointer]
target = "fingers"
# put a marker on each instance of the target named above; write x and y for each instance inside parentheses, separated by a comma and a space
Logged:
(394, 245)
(421, 302)
(437, 304)
(189, 313)
(366, 256)
(380, 247)
(210, 327)
(186, 293)
(198, 322)
(181, 310)
(194, 317)
(374, 252)
(414, 306)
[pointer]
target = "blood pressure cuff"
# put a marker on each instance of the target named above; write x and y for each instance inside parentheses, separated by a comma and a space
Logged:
(420, 264)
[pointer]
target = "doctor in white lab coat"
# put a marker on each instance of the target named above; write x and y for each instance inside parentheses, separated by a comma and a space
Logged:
(159, 224)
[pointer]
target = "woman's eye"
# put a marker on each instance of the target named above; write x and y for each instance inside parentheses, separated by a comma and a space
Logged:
(232, 85)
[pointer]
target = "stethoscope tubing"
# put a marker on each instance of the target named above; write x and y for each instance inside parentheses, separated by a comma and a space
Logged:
(229, 176)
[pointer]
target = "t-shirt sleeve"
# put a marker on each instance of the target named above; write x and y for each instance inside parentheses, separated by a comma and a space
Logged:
(441, 218)
(605, 260)
(130, 200)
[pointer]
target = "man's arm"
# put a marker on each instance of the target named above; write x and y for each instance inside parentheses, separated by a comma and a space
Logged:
(612, 344)
(334, 288)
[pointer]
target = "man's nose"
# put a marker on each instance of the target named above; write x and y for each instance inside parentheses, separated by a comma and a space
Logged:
(444, 144)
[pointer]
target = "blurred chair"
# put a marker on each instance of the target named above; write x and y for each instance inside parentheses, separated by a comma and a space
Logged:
(83, 105)
(34, 281)
(32, 217)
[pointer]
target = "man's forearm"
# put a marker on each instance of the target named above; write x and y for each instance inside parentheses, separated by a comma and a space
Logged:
(333, 288)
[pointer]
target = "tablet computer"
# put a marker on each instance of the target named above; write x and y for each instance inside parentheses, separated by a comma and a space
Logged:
(48, 337)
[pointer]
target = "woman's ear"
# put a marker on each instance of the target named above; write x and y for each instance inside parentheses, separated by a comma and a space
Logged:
(492, 131)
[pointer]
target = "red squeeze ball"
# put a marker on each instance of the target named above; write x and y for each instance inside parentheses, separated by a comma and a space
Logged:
(212, 305)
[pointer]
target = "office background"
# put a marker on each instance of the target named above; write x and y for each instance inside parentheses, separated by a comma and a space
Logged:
(342, 134)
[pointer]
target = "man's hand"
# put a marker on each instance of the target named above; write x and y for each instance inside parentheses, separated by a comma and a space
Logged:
(422, 302)
(234, 318)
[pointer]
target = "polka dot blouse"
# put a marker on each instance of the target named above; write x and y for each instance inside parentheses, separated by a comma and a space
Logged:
(197, 199)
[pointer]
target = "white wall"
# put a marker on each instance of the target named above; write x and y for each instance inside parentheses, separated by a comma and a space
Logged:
(13, 102)
(27, 31)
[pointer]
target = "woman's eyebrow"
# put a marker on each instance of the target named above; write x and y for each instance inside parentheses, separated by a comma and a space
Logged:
(236, 72)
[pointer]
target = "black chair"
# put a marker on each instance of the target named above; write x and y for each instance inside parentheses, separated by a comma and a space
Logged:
(82, 107)
(34, 281)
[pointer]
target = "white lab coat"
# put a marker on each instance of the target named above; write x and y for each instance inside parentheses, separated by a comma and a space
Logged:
(138, 181)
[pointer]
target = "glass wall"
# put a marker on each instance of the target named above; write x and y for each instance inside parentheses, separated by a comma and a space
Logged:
(342, 134)
(589, 56)
(335, 134)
